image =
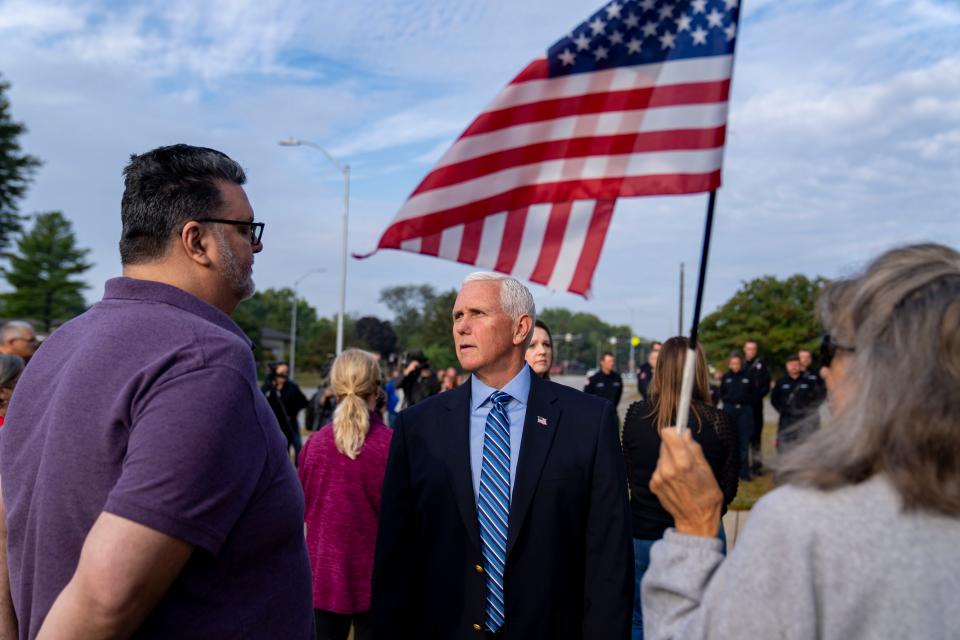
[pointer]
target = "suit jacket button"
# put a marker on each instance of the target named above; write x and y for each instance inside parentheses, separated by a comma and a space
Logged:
(478, 568)
(477, 627)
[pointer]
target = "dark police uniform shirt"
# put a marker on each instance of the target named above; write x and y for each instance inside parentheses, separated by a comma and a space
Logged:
(757, 371)
(737, 389)
(609, 386)
(793, 398)
(644, 378)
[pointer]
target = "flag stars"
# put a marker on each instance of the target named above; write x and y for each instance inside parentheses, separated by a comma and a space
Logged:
(597, 26)
(683, 23)
(633, 46)
(699, 36)
(631, 21)
(648, 5)
(731, 31)
(666, 11)
(582, 42)
(699, 6)
(668, 40)
(650, 29)
(600, 53)
(714, 18)
(616, 38)
(729, 4)
(613, 10)
(567, 57)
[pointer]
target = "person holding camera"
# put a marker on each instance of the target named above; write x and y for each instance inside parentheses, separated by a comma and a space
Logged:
(290, 393)
(418, 382)
(286, 400)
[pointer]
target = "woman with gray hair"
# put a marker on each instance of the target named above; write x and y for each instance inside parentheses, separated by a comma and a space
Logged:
(861, 539)
(11, 367)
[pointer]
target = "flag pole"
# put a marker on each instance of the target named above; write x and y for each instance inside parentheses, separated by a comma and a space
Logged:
(689, 363)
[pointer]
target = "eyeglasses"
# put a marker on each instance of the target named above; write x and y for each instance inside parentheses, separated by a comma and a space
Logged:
(829, 348)
(255, 228)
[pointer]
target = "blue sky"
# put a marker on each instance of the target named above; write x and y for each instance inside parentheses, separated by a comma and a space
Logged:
(844, 132)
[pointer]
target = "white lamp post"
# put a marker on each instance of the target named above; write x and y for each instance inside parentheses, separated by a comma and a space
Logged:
(293, 320)
(345, 170)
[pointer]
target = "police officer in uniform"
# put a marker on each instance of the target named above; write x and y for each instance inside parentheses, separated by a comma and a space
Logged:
(645, 371)
(760, 374)
(737, 392)
(794, 396)
(606, 383)
(810, 371)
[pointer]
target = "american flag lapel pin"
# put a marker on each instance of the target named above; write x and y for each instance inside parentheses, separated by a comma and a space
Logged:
(541, 420)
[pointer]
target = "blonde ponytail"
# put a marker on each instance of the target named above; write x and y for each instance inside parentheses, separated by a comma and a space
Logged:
(355, 378)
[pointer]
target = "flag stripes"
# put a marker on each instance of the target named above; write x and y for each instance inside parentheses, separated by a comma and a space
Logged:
(529, 188)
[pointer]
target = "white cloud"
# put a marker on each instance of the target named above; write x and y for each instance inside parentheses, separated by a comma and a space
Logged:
(843, 139)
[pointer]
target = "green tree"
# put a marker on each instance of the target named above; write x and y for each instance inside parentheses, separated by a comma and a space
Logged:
(779, 314)
(316, 336)
(43, 271)
(377, 335)
(423, 319)
(16, 170)
(589, 336)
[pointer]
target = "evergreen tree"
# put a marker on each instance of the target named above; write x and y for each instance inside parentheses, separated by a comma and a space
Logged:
(16, 170)
(43, 271)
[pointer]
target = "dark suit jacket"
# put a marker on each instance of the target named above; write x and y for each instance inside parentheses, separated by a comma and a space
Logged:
(569, 571)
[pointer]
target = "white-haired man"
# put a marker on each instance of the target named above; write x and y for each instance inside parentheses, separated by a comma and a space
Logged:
(504, 510)
(18, 338)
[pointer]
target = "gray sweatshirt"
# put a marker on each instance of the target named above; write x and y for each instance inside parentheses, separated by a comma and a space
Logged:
(842, 564)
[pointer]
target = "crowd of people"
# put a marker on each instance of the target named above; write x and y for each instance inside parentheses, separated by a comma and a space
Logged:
(162, 502)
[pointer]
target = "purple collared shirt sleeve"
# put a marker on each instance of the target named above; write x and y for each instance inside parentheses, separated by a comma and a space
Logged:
(195, 455)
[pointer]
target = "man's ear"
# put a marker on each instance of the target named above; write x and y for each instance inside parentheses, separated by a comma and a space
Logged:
(523, 329)
(195, 242)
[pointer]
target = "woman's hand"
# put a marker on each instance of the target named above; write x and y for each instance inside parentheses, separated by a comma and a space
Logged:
(684, 483)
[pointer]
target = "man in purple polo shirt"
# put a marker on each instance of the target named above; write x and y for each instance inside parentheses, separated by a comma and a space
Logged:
(146, 482)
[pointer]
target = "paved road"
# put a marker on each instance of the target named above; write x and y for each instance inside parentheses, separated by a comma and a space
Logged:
(630, 393)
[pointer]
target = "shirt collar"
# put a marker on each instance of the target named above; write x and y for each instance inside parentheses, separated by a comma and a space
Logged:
(518, 388)
(152, 291)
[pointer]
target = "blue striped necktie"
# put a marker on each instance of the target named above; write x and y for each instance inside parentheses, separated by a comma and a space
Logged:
(493, 506)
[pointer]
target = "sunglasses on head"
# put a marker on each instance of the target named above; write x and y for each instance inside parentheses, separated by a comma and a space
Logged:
(829, 348)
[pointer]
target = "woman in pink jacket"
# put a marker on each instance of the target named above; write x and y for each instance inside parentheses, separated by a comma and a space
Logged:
(341, 469)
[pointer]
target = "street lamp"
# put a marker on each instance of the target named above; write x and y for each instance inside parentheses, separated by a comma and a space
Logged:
(345, 170)
(293, 319)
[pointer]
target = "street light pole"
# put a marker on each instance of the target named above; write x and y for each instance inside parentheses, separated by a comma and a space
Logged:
(631, 361)
(345, 170)
(293, 320)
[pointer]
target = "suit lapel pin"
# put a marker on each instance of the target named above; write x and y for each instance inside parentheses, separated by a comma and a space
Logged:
(541, 420)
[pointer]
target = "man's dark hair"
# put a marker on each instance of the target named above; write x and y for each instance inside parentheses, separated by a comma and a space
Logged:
(165, 188)
(605, 354)
(792, 358)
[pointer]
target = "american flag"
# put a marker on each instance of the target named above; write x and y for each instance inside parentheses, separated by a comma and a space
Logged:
(632, 102)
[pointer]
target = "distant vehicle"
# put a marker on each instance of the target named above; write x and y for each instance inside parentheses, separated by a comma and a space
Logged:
(590, 372)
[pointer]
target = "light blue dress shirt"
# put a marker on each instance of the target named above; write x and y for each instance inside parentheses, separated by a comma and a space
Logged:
(519, 390)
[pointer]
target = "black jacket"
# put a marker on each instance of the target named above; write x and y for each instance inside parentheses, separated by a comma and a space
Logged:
(757, 371)
(644, 378)
(737, 389)
(417, 387)
(795, 399)
(605, 385)
(569, 571)
(641, 451)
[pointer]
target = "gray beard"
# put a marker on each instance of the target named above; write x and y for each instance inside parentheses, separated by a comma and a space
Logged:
(240, 282)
